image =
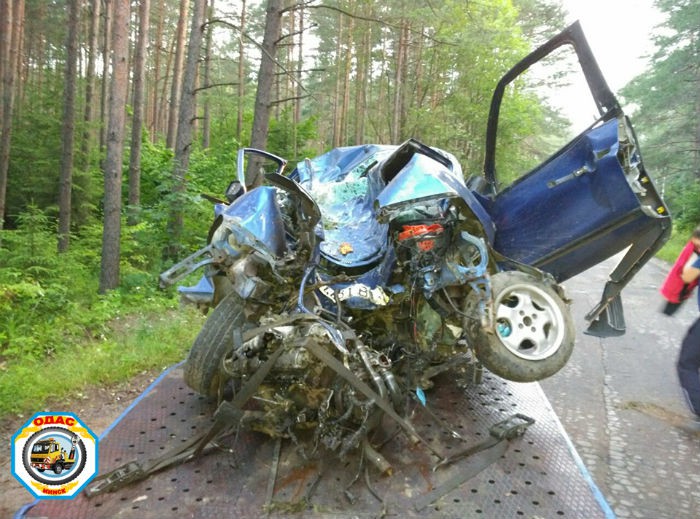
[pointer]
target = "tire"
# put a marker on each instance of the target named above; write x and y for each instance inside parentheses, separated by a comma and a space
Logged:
(534, 334)
(74, 471)
(215, 339)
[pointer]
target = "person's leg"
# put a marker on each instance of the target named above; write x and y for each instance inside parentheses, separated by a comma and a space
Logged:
(670, 308)
(689, 365)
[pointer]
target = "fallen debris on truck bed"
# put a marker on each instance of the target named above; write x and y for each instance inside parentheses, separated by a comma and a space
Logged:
(252, 475)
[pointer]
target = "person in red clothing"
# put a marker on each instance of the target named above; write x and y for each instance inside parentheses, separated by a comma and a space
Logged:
(674, 290)
(688, 365)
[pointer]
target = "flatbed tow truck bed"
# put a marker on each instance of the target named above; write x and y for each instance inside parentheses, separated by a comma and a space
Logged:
(540, 475)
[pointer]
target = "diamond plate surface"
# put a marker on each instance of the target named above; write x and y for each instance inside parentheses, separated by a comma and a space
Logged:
(252, 475)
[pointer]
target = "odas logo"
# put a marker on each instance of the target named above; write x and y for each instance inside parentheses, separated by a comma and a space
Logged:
(54, 455)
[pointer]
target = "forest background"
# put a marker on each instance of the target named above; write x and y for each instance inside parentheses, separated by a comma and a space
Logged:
(116, 115)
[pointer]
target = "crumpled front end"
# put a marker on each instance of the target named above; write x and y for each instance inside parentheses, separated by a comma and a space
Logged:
(246, 236)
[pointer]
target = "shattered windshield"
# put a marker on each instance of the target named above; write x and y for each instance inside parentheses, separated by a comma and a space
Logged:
(342, 196)
(339, 201)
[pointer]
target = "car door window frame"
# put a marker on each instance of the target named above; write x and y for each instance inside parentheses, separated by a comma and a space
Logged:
(605, 100)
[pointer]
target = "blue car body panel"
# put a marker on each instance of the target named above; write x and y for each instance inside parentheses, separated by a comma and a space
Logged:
(348, 187)
(554, 218)
(344, 184)
(256, 217)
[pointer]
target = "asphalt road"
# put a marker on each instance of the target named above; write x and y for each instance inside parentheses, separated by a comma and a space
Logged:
(620, 402)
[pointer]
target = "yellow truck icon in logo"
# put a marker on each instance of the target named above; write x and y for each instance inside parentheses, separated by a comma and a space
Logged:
(48, 454)
(54, 455)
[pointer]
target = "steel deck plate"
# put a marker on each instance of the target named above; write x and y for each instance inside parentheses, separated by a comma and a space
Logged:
(540, 475)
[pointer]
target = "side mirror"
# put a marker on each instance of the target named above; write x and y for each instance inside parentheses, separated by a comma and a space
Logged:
(253, 164)
(234, 190)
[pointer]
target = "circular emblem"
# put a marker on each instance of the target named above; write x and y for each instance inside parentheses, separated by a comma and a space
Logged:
(54, 455)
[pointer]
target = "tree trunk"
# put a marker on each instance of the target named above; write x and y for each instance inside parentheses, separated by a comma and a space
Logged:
(363, 64)
(397, 110)
(176, 85)
(11, 16)
(5, 44)
(241, 74)
(206, 116)
(36, 50)
(382, 88)
(89, 113)
(6, 79)
(266, 81)
(157, 51)
(137, 119)
(106, 50)
(163, 104)
(183, 143)
(109, 272)
(68, 131)
(347, 58)
(336, 94)
(21, 64)
(298, 88)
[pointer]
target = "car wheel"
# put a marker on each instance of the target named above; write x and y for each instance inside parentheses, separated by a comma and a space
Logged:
(534, 332)
(202, 370)
(69, 474)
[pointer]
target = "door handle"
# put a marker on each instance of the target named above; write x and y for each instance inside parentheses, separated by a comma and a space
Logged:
(574, 174)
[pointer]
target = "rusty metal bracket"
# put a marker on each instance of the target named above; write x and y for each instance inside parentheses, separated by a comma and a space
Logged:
(187, 266)
(121, 476)
(511, 427)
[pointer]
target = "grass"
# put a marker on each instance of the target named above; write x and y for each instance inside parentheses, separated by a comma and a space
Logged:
(137, 343)
(673, 246)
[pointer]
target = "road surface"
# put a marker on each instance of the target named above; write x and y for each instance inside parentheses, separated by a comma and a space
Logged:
(620, 402)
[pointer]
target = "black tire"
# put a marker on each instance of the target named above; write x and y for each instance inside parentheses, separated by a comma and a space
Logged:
(74, 471)
(58, 467)
(534, 334)
(202, 370)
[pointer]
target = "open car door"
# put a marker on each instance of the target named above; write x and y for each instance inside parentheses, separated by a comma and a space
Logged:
(588, 201)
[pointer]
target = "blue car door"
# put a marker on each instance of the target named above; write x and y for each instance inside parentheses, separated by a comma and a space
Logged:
(588, 201)
(578, 208)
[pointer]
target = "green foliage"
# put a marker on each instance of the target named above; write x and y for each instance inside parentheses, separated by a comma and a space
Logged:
(283, 137)
(672, 248)
(35, 153)
(211, 170)
(667, 115)
(685, 205)
(455, 53)
(156, 170)
(49, 301)
(130, 345)
(52, 316)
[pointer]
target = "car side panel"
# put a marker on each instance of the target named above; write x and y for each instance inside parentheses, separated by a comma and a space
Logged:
(572, 212)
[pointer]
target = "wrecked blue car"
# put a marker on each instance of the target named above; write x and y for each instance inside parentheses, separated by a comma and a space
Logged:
(343, 287)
